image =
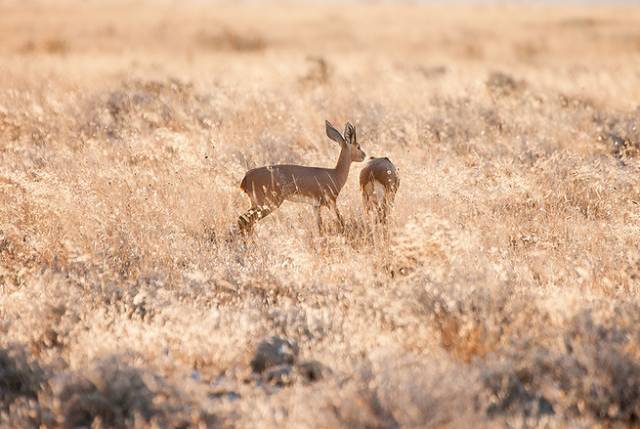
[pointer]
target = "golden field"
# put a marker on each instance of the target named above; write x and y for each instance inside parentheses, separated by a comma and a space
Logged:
(507, 296)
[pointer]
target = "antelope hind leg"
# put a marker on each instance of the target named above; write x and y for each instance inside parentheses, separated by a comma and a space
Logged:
(247, 220)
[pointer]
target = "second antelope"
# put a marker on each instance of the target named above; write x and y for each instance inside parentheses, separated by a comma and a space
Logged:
(379, 182)
(268, 187)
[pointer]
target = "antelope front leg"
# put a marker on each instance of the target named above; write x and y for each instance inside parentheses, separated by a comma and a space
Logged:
(339, 216)
(317, 209)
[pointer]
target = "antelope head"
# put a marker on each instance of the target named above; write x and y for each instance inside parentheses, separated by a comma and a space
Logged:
(349, 142)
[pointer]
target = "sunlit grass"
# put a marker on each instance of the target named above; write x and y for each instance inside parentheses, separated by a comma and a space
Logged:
(507, 293)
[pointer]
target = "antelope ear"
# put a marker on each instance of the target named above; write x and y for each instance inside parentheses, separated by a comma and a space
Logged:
(350, 133)
(333, 134)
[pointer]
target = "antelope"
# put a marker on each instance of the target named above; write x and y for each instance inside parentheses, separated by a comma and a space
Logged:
(379, 182)
(268, 187)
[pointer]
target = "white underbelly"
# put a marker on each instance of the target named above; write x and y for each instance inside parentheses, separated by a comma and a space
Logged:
(304, 199)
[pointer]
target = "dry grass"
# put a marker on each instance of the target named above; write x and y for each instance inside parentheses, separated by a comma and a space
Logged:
(508, 295)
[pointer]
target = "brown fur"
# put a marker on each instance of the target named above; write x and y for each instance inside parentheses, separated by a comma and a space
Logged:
(383, 171)
(268, 187)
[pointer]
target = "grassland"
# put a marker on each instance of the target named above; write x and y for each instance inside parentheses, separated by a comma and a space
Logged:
(508, 295)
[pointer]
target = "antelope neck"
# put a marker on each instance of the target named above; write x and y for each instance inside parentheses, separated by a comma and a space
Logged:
(342, 167)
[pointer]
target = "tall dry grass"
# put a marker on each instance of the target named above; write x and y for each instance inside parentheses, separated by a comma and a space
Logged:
(507, 296)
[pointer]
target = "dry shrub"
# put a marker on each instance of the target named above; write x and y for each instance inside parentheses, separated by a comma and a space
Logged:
(231, 40)
(458, 125)
(581, 187)
(473, 323)
(360, 407)
(10, 126)
(52, 46)
(140, 107)
(22, 379)
(529, 51)
(55, 46)
(20, 376)
(53, 330)
(513, 387)
(500, 83)
(112, 394)
(107, 394)
(355, 402)
(319, 72)
(432, 72)
(14, 252)
(593, 374)
(620, 132)
(25, 126)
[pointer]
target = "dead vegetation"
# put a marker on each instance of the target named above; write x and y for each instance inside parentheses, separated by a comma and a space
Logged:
(229, 40)
(507, 295)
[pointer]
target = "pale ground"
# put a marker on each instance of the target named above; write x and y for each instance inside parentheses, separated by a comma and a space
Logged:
(508, 295)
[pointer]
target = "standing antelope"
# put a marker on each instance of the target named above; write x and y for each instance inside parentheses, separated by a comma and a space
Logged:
(379, 182)
(268, 187)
